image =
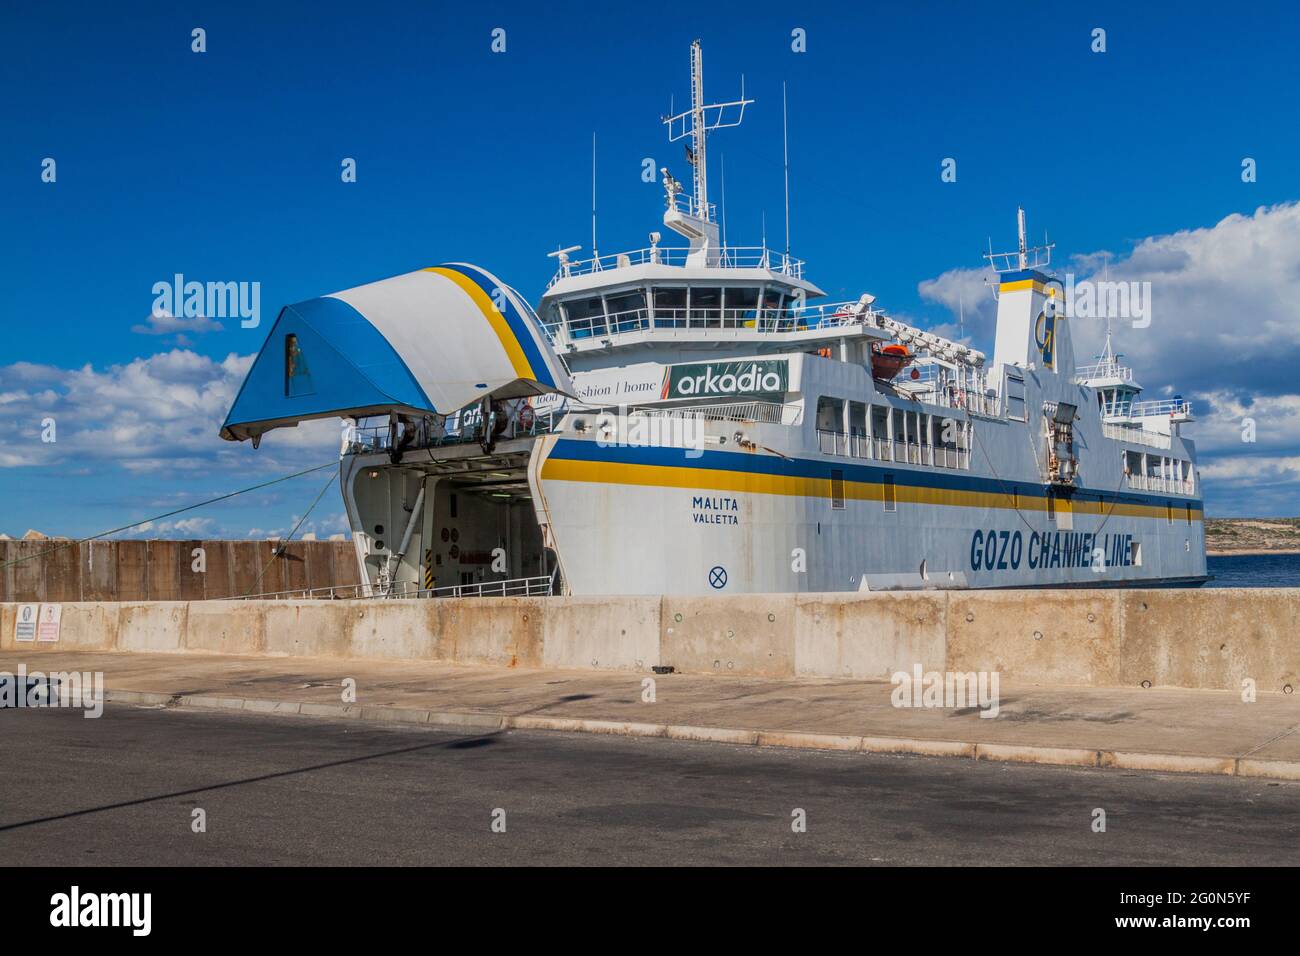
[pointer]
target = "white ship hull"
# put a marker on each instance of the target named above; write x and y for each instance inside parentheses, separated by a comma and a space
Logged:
(716, 533)
(630, 519)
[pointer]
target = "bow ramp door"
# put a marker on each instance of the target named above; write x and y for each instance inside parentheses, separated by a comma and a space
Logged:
(426, 343)
(437, 367)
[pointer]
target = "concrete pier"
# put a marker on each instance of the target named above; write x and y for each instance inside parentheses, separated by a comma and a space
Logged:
(1212, 639)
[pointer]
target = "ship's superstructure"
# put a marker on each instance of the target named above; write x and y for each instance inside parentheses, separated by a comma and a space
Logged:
(701, 422)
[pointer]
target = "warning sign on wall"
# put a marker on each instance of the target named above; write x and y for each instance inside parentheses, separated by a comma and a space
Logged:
(47, 627)
(25, 627)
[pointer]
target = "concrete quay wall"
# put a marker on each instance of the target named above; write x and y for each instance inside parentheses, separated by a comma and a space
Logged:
(1202, 639)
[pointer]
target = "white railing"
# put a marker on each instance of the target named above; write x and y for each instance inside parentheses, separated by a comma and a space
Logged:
(673, 321)
(1104, 370)
(831, 442)
(690, 206)
(730, 257)
(1165, 408)
(509, 587)
(1174, 486)
(770, 413)
(948, 395)
(1135, 434)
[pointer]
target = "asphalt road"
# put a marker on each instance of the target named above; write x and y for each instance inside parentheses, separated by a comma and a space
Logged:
(123, 789)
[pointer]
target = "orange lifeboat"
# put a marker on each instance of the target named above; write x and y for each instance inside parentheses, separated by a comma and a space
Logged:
(888, 361)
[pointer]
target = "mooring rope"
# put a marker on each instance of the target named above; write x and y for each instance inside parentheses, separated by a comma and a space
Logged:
(169, 514)
(279, 548)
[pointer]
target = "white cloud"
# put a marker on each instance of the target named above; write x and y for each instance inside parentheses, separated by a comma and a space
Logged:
(164, 323)
(182, 528)
(1225, 305)
(1253, 470)
(968, 294)
(155, 414)
(1233, 424)
(1224, 332)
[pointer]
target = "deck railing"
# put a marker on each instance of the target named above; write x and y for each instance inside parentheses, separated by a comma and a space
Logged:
(837, 443)
(1104, 370)
(1173, 486)
(729, 257)
(1135, 434)
(1164, 408)
(770, 413)
(508, 587)
(671, 321)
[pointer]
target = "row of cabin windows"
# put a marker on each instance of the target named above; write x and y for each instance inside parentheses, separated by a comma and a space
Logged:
(913, 429)
(629, 308)
(1157, 466)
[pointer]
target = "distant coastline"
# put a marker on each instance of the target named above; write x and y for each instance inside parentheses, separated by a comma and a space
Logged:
(1228, 537)
(1237, 552)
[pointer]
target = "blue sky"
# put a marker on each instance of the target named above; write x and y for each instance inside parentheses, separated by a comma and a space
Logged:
(225, 166)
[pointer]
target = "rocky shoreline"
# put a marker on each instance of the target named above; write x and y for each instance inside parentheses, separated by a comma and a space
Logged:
(1238, 536)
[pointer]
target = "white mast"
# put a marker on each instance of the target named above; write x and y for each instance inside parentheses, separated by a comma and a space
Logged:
(1039, 257)
(1108, 356)
(1020, 228)
(785, 159)
(698, 132)
(697, 221)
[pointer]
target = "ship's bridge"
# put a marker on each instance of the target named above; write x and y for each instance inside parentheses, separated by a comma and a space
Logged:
(670, 300)
(1123, 416)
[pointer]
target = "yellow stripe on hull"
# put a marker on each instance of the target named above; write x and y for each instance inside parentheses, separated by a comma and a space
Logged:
(667, 476)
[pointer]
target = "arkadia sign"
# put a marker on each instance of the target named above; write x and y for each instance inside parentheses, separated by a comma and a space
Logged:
(725, 379)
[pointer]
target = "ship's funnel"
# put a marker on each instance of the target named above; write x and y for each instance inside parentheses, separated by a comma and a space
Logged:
(428, 342)
(1032, 327)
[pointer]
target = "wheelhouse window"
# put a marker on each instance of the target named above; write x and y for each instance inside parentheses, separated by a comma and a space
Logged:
(773, 302)
(627, 310)
(586, 317)
(741, 303)
(706, 307)
(669, 307)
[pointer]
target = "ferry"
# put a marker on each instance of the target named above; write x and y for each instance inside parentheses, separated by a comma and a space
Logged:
(696, 419)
